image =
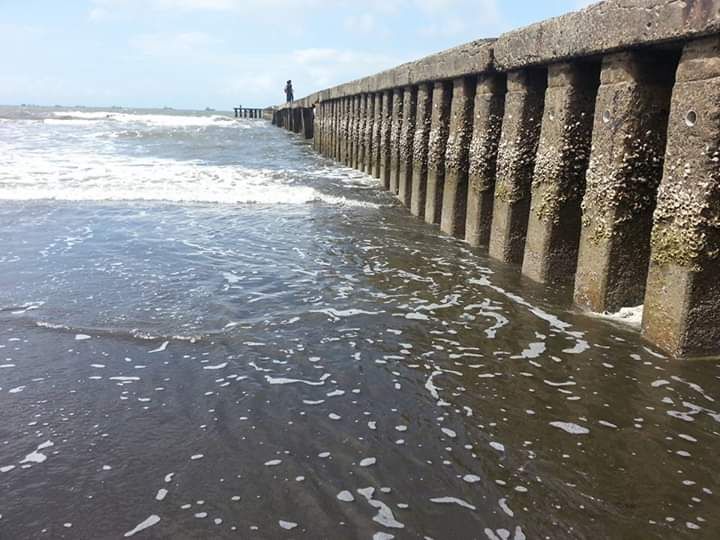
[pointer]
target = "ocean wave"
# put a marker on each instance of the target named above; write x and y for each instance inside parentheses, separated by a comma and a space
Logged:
(84, 176)
(122, 333)
(164, 120)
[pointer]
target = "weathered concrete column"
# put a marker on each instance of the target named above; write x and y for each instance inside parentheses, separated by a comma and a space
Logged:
(397, 115)
(516, 160)
(354, 122)
(349, 122)
(558, 185)
(407, 134)
(682, 302)
(367, 165)
(385, 136)
(420, 150)
(362, 121)
(625, 168)
(377, 130)
(487, 125)
(317, 128)
(336, 129)
(344, 129)
(298, 119)
(308, 119)
(439, 129)
(455, 192)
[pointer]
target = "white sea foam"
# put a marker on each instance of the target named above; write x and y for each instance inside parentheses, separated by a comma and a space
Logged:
(628, 315)
(149, 522)
(85, 175)
(156, 120)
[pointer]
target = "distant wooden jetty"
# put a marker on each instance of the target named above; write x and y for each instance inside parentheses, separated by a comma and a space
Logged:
(244, 112)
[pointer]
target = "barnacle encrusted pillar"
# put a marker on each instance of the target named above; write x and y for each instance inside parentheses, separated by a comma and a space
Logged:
(682, 302)
(455, 191)
(397, 115)
(339, 128)
(316, 117)
(487, 125)
(439, 127)
(344, 130)
(317, 127)
(558, 182)
(407, 134)
(366, 163)
(420, 150)
(626, 160)
(298, 119)
(516, 160)
(352, 132)
(375, 140)
(308, 122)
(358, 130)
(385, 136)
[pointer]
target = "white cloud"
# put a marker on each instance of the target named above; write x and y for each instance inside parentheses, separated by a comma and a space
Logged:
(363, 23)
(181, 45)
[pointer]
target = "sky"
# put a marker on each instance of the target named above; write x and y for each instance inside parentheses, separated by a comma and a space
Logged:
(194, 54)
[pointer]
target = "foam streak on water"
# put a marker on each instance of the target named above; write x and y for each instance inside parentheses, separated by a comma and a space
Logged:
(208, 331)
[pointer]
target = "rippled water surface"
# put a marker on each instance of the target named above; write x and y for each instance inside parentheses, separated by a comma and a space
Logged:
(208, 331)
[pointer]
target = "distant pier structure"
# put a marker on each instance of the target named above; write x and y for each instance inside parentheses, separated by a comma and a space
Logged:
(244, 112)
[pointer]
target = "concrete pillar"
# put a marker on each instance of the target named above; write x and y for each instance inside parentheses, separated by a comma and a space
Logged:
(367, 165)
(420, 150)
(377, 129)
(516, 160)
(325, 126)
(362, 121)
(487, 125)
(455, 192)
(397, 114)
(308, 120)
(298, 122)
(342, 142)
(317, 128)
(558, 185)
(407, 134)
(337, 121)
(628, 146)
(682, 302)
(439, 128)
(333, 142)
(352, 140)
(347, 150)
(385, 136)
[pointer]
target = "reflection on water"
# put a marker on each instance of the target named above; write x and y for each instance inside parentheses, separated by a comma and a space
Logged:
(331, 369)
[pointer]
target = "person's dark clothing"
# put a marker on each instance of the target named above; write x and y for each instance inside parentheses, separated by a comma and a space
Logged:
(289, 92)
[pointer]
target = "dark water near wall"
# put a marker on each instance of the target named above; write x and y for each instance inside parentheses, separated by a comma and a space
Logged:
(207, 331)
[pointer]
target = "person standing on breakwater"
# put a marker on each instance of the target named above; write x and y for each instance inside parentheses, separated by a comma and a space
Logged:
(289, 91)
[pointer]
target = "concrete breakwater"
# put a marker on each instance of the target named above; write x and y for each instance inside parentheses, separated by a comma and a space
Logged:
(584, 149)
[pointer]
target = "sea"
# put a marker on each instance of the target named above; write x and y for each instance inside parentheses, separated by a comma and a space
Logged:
(209, 331)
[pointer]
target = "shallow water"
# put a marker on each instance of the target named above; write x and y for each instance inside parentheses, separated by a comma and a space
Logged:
(208, 331)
